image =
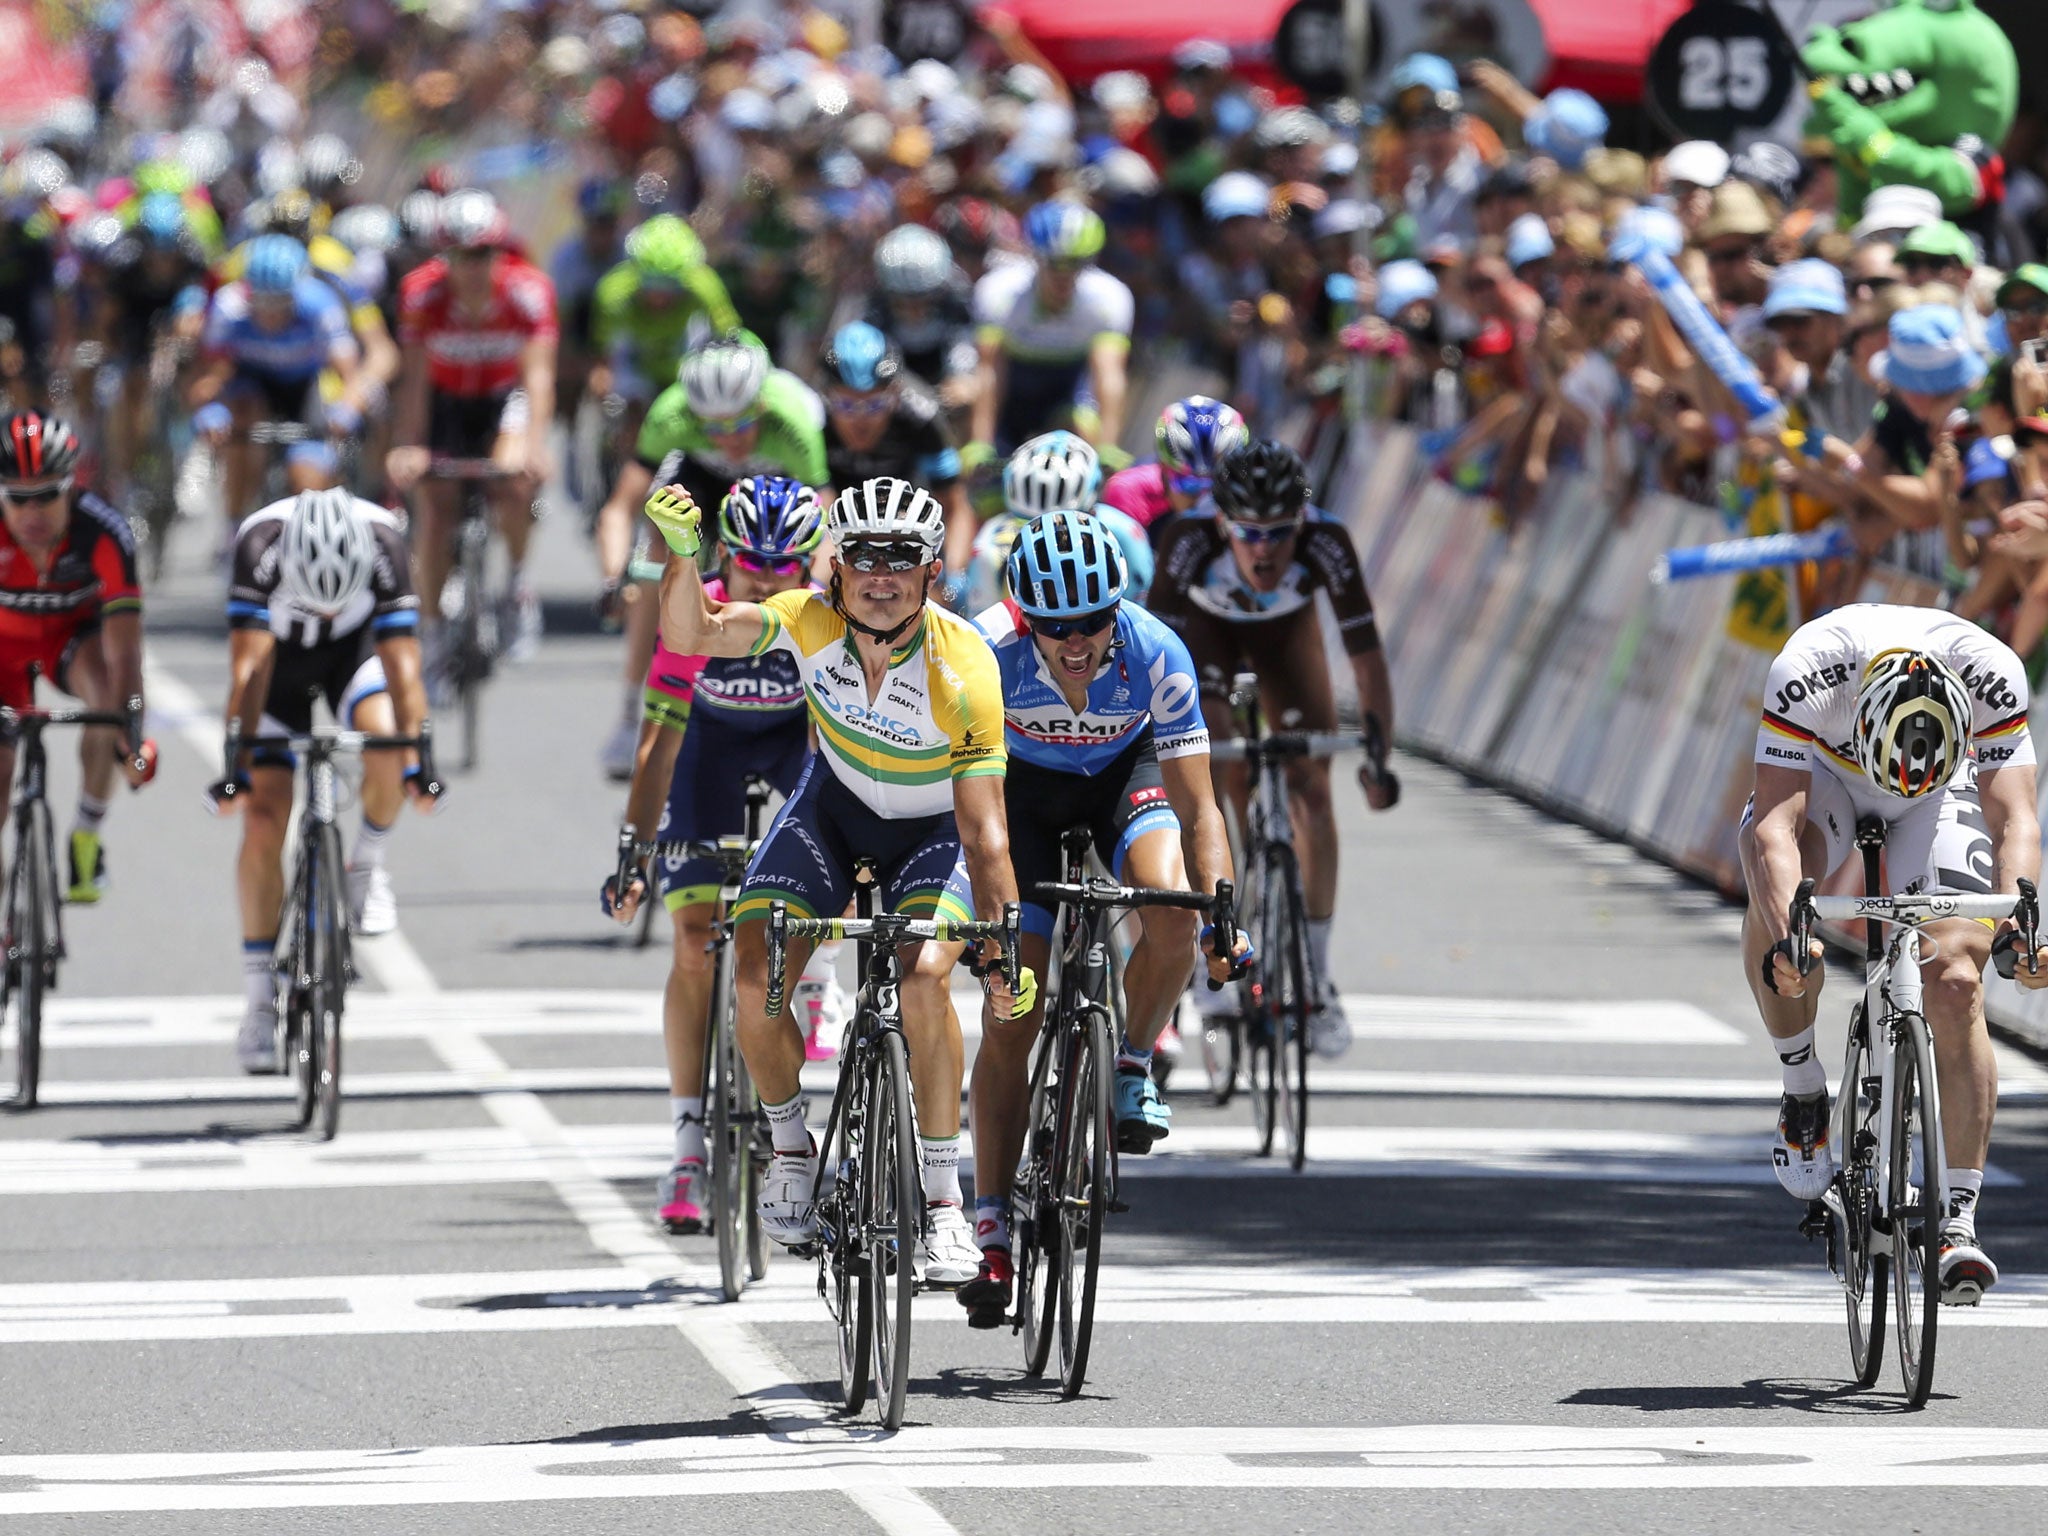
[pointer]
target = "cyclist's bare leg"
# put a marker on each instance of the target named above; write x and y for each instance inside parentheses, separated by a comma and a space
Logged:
(1232, 780)
(1156, 973)
(383, 772)
(774, 1048)
(128, 424)
(932, 1029)
(512, 499)
(999, 1106)
(259, 873)
(686, 1001)
(1783, 1017)
(1965, 1067)
(99, 746)
(1315, 833)
(433, 545)
(242, 462)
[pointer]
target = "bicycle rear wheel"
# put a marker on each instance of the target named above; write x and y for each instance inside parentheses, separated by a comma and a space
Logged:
(753, 1159)
(729, 1150)
(1291, 1000)
(1861, 1266)
(475, 644)
(29, 920)
(1083, 1191)
(1916, 1204)
(893, 1187)
(1034, 1231)
(330, 987)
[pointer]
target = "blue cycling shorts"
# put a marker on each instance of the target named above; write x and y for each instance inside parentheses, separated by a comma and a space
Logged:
(707, 797)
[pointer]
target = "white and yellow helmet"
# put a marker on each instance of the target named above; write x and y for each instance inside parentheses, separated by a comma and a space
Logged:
(1912, 722)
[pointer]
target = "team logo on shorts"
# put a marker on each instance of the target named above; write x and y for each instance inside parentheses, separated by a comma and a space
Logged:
(1147, 796)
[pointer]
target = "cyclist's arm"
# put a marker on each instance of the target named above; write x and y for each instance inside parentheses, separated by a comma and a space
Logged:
(1777, 819)
(121, 632)
(2008, 797)
(250, 652)
(991, 376)
(1107, 356)
(616, 518)
(409, 410)
(708, 289)
(960, 527)
(400, 653)
(381, 358)
(693, 624)
(654, 765)
(537, 371)
(985, 839)
(211, 378)
(1191, 792)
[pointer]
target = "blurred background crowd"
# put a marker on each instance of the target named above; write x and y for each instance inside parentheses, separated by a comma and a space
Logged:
(1439, 254)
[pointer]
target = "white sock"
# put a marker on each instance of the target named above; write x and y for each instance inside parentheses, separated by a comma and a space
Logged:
(1319, 947)
(786, 1126)
(370, 841)
(688, 1118)
(1804, 1075)
(1965, 1186)
(259, 980)
(634, 701)
(940, 1156)
(824, 962)
(91, 813)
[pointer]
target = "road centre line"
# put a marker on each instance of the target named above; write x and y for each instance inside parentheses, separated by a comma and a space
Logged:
(1136, 1295)
(857, 1462)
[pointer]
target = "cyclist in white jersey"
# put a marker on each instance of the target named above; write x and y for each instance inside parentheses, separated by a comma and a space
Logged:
(1874, 710)
(1055, 338)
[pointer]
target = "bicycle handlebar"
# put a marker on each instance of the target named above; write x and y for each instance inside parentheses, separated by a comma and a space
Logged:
(1282, 745)
(233, 783)
(1904, 911)
(1099, 892)
(887, 928)
(2005, 952)
(470, 469)
(136, 750)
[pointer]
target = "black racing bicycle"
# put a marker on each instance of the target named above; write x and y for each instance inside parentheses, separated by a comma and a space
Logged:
(1265, 1047)
(313, 960)
(869, 1198)
(478, 639)
(737, 1134)
(1066, 1182)
(35, 904)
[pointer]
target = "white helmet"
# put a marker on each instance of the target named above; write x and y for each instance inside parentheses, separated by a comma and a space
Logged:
(911, 261)
(326, 555)
(888, 508)
(1054, 472)
(1912, 722)
(470, 220)
(723, 379)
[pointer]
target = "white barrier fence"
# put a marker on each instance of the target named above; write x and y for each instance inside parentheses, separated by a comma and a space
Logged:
(1540, 657)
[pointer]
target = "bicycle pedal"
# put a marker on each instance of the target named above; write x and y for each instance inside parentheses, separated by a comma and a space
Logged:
(1119, 1207)
(1815, 1222)
(802, 1250)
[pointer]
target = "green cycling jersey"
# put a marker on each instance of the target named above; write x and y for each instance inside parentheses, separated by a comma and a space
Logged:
(789, 425)
(649, 338)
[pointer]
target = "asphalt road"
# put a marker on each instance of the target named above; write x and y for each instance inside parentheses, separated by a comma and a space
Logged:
(1538, 1275)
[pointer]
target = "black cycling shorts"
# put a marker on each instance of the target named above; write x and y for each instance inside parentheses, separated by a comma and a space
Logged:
(1118, 805)
(466, 426)
(344, 671)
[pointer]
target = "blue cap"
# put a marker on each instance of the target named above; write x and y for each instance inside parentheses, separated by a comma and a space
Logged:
(1927, 353)
(1567, 125)
(1529, 240)
(1236, 195)
(1424, 69)
(1983, 462)
(1403, 283)
(1810, 286)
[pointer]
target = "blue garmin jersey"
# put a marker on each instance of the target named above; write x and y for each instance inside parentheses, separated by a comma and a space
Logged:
(318, 326)
(1149, 679)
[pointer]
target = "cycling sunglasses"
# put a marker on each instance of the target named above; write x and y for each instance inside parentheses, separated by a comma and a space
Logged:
(768, 565)
(1256, 534)
(729, 426)
(862, 405)
(1088, 624)
(882, 557)
(28, 496)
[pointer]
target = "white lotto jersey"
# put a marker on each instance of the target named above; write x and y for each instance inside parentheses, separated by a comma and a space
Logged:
(1810, 698)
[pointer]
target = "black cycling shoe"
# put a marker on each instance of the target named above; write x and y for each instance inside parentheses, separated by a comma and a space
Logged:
(987, 1296)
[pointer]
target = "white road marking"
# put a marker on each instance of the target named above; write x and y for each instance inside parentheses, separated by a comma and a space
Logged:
(1169, 1296)
(1651, 1021)
(886, 1468)
(515, 1151)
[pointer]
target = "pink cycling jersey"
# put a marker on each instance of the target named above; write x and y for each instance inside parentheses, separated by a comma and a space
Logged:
(1140, 493)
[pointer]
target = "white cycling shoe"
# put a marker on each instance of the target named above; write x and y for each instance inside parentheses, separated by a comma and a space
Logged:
(785, 1204)
(620, 749)
(950, 1257)
(1800, 1154)
(256, 1042)
(1966, 1269)
(1329, 1031)
(372, 905)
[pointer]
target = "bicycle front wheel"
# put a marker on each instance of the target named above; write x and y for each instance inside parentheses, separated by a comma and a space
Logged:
(330, 985)
(29, 919)
(1034, 1231)
(894, 1190)
(1916, 1204)
(729, 1151)
(1292, 1000)
(1222, 1050)
(1861, 1266)
(1083, 1191)
(843, 1277)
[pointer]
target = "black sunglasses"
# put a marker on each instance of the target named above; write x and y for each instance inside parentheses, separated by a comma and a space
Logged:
(27, 497)
(882, 557)
(1088, 624)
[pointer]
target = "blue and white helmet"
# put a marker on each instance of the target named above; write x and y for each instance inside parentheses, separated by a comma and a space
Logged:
(276, 263)
(859, 356)
(771, 515)
(1194, 433)
(1053, 472)
(1066, 565)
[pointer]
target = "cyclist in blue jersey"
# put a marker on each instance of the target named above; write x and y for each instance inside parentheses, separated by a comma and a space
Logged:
(267, 338)
(1102, 715)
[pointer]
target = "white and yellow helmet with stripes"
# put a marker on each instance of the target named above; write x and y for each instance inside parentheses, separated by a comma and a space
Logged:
(1912, 722)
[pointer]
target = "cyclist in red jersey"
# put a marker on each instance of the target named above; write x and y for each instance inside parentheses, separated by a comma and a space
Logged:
(71, 609)
(479, 332)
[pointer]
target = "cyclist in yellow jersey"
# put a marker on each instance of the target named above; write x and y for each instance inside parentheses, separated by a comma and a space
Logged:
(908, 777)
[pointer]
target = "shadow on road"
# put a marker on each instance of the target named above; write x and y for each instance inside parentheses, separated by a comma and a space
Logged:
(1768, 1393)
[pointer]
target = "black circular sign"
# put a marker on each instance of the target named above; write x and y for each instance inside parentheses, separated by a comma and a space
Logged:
(927, 29)
(1308, 47)
(1719, 68)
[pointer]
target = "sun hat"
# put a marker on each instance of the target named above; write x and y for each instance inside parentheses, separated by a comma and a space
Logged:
(1927, 353)
(1403, 283)
(2027, 275)
(1893, 209)
(1738, 209)
(1941, 240)
(1236, 195)
(1811, 286)
(1698, 162)
(1566, 126)
(1529, 240)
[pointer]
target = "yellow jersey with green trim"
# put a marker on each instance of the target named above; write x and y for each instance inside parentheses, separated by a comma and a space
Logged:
(937, 717)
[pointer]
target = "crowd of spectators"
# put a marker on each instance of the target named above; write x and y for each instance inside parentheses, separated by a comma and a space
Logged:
(1439, 257)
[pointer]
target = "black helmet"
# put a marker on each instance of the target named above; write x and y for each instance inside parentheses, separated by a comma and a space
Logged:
(1262, 482)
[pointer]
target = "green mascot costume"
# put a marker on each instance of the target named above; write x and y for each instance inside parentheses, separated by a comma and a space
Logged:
(1922, 94)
